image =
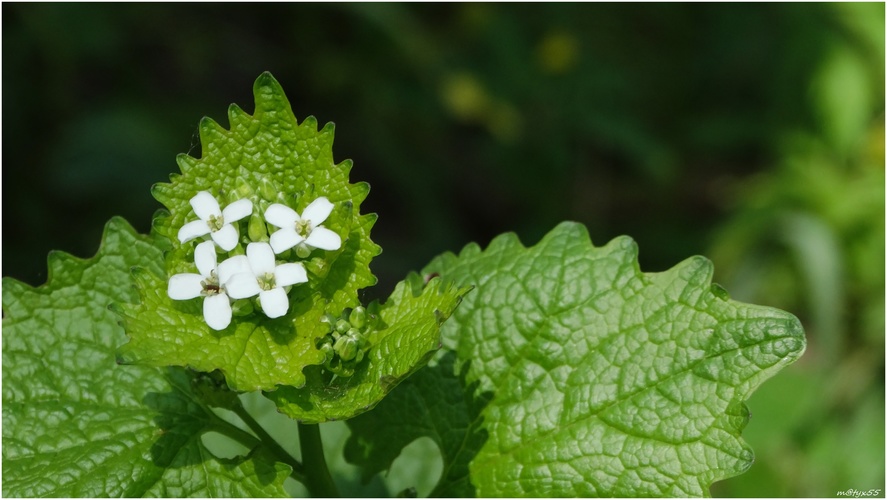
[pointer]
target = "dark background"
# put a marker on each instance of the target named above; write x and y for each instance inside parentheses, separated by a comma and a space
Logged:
(752, 133)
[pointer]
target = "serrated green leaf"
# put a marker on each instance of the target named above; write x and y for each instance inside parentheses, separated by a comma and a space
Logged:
(407, 335)
(76, 424)
(601, 380)
(267, 157)
(435, 402)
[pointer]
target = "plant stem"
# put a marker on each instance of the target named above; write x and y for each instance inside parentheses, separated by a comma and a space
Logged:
(317, 475)
(235, 433)
(270, 442)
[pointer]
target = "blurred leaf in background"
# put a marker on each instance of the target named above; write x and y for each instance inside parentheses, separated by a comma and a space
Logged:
(751, 133)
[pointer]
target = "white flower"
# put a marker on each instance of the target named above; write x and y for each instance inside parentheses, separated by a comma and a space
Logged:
(306, 229)
(215, 221)
(266, 280)
(210, 283)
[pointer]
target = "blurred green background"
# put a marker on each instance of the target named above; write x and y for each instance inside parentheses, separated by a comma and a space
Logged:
(752, 134)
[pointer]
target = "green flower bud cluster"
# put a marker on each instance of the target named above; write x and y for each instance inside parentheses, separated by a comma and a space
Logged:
(263, 194)
(347, 341)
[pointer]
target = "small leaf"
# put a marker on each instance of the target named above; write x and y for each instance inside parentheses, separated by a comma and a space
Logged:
(268, 158)
(407, 334)
(76, 424)
(593, 378)
(434, 402)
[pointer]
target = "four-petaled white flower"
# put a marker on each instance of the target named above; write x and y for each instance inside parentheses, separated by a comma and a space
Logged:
(307, 229)
(215, 221)
(255, 273)
(210, 283)
(266, 279)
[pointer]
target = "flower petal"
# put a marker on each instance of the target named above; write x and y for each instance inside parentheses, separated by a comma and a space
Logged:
(274, 302)
(324, 239)
(290, 274)
(205, 258)
(184, 286)
(242, 285)
(217, 311)
(281, 216)
(193, 229)
(261, 258)
(285, 239)
(237, 210)
(204, 205)
(231, 266)
(226, 237)
(317, 211)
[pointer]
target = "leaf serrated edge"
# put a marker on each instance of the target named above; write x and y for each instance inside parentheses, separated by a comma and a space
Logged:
(60, 262)
(700, 279)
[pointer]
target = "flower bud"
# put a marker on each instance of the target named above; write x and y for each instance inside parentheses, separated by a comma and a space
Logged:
(362, 341)
(268, 189)
(342, 326)
(329, 320)
(358, 317)
(242, 307)
(242, 189)
(328, 353)
(256, 229)
(302, 251)
(346, 347)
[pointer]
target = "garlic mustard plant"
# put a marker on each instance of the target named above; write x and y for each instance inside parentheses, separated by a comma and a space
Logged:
(563, 361)
(214, 221)
(266, 279)
(302, 230)
(210, 284)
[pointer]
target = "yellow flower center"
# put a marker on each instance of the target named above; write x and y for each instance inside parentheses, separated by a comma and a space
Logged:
(303, 227)
(266, 281)
(215, 223)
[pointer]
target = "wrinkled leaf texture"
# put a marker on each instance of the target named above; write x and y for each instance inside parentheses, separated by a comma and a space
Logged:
(75, 423)
(569, 372)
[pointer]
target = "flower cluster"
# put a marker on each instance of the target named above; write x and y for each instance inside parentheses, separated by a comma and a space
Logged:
(257, 273)
(347, 340)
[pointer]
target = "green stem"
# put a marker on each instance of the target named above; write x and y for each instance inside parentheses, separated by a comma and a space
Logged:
(235, 433)
(317, 475)
(269, 442)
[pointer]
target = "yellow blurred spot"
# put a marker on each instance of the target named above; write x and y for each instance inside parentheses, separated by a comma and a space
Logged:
(465, 97)
(558, 53)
